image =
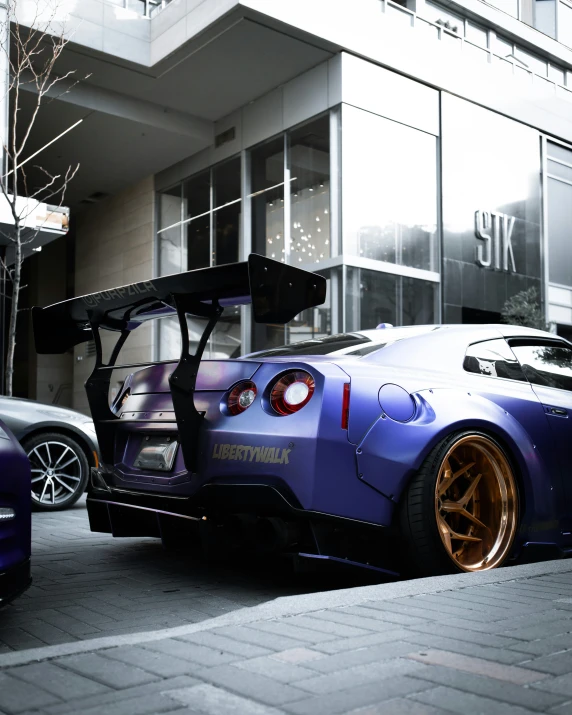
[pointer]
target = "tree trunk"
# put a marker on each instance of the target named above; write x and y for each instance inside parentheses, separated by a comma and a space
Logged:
(13, 313)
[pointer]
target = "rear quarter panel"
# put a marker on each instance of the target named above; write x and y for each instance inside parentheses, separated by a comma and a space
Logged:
(391, 452)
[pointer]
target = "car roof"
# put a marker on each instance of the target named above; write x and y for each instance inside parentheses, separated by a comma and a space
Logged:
(386, 334)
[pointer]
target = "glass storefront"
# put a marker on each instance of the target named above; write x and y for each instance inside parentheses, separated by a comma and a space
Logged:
(491, 197)
(389, 191)
(292, 174)
(559, 214)
(429, 228)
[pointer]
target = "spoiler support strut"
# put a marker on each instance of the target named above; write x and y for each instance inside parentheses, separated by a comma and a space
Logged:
(183, 380)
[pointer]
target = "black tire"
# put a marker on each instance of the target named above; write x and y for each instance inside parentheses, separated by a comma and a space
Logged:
(425, 552)
(58, 490)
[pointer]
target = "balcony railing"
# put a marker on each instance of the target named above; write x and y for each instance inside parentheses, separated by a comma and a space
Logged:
(145, 8)
(509, 65)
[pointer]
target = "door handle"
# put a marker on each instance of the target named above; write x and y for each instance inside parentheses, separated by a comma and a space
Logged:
(559, 411)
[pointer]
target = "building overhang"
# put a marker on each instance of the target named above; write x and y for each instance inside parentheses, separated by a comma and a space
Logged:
(40, 224)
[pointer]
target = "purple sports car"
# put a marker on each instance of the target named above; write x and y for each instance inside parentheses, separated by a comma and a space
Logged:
(15, 517)
(421, 450)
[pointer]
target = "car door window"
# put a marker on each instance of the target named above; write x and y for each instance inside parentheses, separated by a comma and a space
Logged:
(548, 364)
(493, 358)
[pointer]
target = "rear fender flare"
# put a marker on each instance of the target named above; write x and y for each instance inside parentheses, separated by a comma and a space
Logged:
(392, 452)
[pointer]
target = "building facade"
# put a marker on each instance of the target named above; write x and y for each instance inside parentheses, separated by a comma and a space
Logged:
(416, 154)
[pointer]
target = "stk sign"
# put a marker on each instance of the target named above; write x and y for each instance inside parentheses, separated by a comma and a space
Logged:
(495, 230)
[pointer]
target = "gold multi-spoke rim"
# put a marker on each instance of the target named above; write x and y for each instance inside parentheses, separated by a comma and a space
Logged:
(476, 503)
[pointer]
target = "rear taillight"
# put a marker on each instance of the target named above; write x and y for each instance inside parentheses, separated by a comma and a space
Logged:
(292, 392)
(241, 397)
(346, 406)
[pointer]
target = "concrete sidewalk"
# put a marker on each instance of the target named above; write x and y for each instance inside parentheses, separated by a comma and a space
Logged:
(498, 642)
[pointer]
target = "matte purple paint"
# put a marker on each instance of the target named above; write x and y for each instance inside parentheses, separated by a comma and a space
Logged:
(360, 473)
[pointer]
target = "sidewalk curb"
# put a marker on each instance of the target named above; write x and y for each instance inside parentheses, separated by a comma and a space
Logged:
(295, 605)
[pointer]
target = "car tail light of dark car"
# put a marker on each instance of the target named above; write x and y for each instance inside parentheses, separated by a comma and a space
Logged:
(241, 397)
(292, 391)
(7, 514)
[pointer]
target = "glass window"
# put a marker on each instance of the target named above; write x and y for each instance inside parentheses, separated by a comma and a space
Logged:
(560, 170)
(309, 163)
(493, 181)
(493, 358)
(223, 343)
(196, 207)
(565, 24)
(373, 298)
(170, 240)
(545, 16)
(227, 211)
(508, 6)
(389, 190)
(418, 301)
(559, 222)
(548, 365)
(267, 206)
(560, 153)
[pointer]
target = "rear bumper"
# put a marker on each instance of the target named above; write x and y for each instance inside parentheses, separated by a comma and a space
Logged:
(239, 515)
(107, 506)
(14, 581)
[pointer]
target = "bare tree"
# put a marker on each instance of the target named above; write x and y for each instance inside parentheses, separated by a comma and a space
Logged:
(31, 52)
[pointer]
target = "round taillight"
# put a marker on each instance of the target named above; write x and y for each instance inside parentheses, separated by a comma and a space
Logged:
(241, 397)
(292, 392)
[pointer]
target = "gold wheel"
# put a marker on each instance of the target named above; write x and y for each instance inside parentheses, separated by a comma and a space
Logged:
(476, 503)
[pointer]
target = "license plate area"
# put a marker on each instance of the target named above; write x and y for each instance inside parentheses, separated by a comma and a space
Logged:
(157, 453)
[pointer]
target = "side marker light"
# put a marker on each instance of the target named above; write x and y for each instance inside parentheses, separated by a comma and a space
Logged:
(346, 406)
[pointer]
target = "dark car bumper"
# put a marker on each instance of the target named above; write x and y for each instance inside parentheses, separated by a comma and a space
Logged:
(14, 581)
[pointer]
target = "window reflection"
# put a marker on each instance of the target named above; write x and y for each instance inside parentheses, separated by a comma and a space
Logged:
(559, 214)
(565, 24)
(267, 191)
(389, 191)
(227, 210)
(223, 343)
(546, 365)
(373, 298)
(170, 207)
(309, 163)
(196, 209)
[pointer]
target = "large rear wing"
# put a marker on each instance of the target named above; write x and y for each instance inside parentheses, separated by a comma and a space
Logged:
(278, 293)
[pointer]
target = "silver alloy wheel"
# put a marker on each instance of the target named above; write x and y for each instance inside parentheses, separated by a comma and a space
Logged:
(56, 472)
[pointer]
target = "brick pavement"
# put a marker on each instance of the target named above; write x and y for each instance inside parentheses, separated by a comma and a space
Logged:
(492, 643)
(475, 643)
(91, 585)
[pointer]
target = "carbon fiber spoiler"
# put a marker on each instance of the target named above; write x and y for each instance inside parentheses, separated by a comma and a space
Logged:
(278, 292)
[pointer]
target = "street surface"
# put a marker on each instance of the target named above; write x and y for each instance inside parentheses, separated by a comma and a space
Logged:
(90, 585)
(122, 628)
